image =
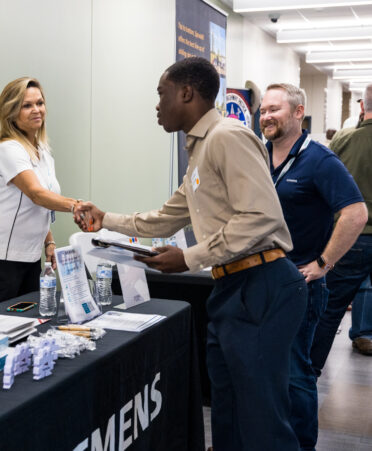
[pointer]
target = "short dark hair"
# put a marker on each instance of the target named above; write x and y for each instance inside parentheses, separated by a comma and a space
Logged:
(198, 73)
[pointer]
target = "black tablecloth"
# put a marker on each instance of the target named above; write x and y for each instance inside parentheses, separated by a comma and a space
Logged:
(193, 288)
(140, 390)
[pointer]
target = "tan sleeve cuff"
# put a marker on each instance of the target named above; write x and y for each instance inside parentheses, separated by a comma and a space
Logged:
(197, 257)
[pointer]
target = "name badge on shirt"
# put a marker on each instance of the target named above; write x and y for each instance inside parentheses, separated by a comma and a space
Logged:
(195, 179)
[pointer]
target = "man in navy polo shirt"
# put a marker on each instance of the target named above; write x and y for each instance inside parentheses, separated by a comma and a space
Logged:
(312, 185)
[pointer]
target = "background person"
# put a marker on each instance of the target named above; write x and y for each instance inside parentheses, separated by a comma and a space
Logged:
(259, 298)
(355, 150)
(29, 189)
(329, 135)
(312, 185)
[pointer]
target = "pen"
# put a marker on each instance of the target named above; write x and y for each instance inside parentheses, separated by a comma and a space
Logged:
(84, 334)
(74, 327)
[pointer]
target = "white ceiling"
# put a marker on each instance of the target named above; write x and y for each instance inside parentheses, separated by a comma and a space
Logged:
(317, 20)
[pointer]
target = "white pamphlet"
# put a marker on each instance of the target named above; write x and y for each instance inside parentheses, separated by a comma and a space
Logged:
(133, 285)
(131, 322)
(10, 323)
(79, 302)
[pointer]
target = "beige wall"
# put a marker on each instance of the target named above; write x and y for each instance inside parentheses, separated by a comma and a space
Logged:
(44, 39)
(334, 104)
(99, 62)
(315, 86)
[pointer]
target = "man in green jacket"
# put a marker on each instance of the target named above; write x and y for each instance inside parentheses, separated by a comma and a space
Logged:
(355, 150)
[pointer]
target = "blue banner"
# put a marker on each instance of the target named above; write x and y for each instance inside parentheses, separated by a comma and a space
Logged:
(200, 31)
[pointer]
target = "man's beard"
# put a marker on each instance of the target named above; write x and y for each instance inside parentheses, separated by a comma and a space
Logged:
(271, 136)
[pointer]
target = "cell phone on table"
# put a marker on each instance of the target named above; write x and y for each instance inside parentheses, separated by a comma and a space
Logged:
(21, 306)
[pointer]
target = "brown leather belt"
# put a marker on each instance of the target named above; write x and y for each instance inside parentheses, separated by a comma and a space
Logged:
(247, 262)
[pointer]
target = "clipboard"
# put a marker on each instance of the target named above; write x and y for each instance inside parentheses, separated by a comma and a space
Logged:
(137, 250)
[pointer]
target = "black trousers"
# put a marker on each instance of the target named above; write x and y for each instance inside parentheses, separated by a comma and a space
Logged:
(254, 316)
(17, 278)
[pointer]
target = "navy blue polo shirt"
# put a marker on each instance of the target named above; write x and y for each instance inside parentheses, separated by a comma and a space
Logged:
(316, 186)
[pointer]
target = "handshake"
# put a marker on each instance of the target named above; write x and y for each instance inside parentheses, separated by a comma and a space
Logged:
(88, 217)
(169, 258)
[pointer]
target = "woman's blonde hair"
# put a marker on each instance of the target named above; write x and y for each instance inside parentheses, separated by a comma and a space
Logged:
(10, 106)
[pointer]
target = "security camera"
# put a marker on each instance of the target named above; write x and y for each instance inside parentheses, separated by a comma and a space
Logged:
(274, 17)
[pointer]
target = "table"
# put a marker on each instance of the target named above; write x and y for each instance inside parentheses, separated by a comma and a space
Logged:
(136, 391)
(193, 288)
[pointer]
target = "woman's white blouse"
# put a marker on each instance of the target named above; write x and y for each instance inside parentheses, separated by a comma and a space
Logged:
(23, 224)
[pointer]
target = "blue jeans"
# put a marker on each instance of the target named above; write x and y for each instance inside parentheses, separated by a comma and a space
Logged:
(343, 283)
(361, 314)
(254, 316)
(302, 384)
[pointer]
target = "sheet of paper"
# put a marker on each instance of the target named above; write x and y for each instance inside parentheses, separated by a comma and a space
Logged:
(178, 239)
(84, 240)
(10, 323)
(133, 285)
(79, 302)
(15, 336)
(131, 322)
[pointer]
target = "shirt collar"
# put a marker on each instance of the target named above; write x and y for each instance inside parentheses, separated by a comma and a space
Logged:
(200, 129)
(295, 148)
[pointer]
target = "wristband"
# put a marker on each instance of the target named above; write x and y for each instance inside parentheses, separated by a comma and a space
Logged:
(323, 264)
(48, 243)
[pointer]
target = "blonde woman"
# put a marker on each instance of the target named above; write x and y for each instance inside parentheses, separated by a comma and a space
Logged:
(29, 190)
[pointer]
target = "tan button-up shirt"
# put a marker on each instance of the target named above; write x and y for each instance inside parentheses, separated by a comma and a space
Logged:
(227, 193)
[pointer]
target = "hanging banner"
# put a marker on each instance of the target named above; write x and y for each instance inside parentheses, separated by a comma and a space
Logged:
(200, 31)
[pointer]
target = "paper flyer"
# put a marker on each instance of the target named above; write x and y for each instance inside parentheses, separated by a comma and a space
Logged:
(131, 322)
(133, 285)
(79, 303)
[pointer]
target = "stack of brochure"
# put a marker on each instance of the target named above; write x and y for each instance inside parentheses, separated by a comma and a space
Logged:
(131, 322)
(16, 327)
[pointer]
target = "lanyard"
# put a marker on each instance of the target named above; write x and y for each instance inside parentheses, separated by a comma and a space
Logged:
(291, 161)
(48, 179)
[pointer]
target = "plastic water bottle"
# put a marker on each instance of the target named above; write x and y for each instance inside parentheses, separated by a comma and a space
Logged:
(103, 283)
(48, 288)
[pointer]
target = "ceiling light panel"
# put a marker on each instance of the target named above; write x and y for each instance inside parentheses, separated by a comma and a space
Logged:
(350, 74)
(338, 56)
(358, 84)
(343, 75)
(323, 24)
(351, 65)
(273, 5)
(330, 47)
(323, 34)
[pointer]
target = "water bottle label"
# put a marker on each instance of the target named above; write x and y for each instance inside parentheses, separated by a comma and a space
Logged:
(46, 282)
(104, 273)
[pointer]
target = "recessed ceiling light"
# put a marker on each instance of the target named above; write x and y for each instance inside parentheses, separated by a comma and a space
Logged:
(241, 6)
(337, 56)
(323, 34)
